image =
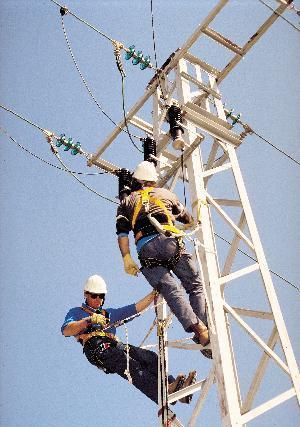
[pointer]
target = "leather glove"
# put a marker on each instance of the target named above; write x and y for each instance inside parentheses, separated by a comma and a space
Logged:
(99, 319)
(130, 266)
(189, 225)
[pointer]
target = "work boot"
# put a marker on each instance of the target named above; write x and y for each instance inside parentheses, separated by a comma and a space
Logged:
(202, 337)
(191, 379)
(176, 385)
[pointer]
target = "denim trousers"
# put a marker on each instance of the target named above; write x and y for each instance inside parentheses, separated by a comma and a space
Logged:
(190, 311)
(143, 365)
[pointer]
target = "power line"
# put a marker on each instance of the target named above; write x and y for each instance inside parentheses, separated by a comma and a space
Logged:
(124, 114)
(37, 126)
(154, 49)
(83, 21)
(286, 20)
(276, 148)
(253, 259)
(55, 152)
(64, 10)
(43, 160)
(153, 32)
(112, 201)
(248, 129)
(85, 82)
(22, 118)
(65, 167)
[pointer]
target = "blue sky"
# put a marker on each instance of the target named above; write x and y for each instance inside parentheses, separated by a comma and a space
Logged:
(55, 233)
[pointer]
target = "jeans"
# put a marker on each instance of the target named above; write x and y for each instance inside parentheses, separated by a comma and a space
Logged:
(161, 279)
(143, 364)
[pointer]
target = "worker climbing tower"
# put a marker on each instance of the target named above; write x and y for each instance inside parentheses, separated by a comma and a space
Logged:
(197, 144)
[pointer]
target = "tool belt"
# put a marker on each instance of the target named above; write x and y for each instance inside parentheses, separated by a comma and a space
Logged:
(95, 346)
(167, 263)
(83, 338)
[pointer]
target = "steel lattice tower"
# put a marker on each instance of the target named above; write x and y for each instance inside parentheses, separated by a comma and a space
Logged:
(209, 156)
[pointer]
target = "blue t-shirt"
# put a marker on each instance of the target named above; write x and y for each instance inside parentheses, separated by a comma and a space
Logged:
(115, 315)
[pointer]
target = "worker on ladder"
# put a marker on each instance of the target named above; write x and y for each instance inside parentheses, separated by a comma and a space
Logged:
(150, 212)
(95, 329)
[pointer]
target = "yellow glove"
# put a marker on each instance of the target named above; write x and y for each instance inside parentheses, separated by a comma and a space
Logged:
(99, 319)
(130, 266)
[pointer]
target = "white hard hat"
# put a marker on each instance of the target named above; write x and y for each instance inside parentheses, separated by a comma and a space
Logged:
(145, 171)
(96, 285)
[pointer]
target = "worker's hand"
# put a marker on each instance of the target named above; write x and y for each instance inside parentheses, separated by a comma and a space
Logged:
(189, 225)
(99, 319)
(130, 266)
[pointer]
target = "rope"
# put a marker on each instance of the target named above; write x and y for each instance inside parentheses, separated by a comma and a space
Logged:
(4, 131)
(121, 322)
(183, 178)
(149, 332)
(162, 367)
(286, 20)
(127, 370)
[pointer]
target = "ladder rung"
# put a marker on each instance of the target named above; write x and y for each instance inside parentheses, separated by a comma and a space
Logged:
(223, 40)
(193, 388)
(203, 65)
(202, 86)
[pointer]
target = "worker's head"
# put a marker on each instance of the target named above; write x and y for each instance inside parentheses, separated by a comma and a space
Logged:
(145, 173)
(95, 290)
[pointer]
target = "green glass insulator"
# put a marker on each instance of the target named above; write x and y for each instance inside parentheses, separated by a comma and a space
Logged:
(60, 140)
(138, 58)
(145, 63)
(70, 144)
(128, 55)
(75, 150)
(236, 119)
(229, 113)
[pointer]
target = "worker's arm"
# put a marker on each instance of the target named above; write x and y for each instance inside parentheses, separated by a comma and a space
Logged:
(74, 328)
(181, 214)
(124, 245)
(145, 302)
(129, 265)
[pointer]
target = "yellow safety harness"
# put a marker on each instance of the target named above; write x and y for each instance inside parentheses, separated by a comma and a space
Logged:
(144, 202)
(85, 337)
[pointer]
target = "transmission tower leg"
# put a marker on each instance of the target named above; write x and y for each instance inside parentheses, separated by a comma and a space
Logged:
(162, 363)
(233, 413)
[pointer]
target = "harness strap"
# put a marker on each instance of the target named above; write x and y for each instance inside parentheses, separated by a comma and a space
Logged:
(168, 263)
(103, 312)
(85, 337)
(144, 200)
